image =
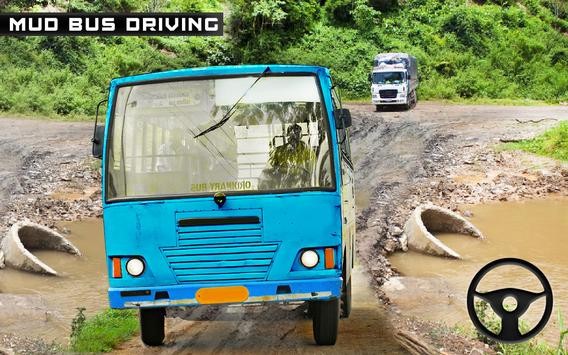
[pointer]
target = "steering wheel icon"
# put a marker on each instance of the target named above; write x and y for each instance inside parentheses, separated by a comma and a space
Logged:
(510, 332)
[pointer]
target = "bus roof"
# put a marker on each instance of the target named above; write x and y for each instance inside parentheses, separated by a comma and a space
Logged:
(219, 71)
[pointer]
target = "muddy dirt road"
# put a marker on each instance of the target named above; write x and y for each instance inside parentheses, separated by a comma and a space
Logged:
(401, 158)
(405, 158)
(274, 329)
(23, 143)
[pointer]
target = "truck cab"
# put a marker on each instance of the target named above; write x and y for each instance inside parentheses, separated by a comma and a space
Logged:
(394, 80)
(228, 185)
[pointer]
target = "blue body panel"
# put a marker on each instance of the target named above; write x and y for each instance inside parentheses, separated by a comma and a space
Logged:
(181, 260)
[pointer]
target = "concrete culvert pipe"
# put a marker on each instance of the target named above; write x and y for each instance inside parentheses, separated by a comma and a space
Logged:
(428, 219)
(26, 236)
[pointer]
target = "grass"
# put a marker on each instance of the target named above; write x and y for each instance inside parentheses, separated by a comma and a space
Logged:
(51, 117)
(552, 143)
(474, 101)
(104, 331)
(531, 347)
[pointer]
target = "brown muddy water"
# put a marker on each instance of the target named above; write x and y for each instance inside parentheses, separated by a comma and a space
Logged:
(435, 288)
(41, 306)
(44, 306)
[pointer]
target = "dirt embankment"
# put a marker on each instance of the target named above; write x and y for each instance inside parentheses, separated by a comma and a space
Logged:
(46, 175)
(46, 172)
(435, 153)
(445, 155)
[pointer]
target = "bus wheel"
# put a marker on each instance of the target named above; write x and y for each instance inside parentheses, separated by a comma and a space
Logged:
(152, 326)
(378, 108)
(346, 299)
(325, 321)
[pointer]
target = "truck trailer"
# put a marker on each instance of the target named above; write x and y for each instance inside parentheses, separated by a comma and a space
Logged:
(394, 79)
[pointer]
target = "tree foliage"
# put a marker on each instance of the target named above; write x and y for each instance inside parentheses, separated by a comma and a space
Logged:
(488, 49)
(259, 28)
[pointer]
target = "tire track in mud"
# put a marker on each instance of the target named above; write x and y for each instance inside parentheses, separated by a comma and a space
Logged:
(274, 329)
(391, 158)
(10, 162)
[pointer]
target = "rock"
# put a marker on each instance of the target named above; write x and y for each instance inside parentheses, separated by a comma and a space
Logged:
(6, 351)
(1, 259)
(393, 284)
(467, 213)
(403, 242)
(429, 218)
(390, 245)
(395, 231)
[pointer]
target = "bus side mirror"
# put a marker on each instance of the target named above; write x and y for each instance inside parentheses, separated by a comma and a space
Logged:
(97, 140)
(98, 134)
(370, 78)
(342, 118)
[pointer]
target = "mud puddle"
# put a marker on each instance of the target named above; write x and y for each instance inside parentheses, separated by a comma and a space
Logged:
(44, 306)
(435, 288)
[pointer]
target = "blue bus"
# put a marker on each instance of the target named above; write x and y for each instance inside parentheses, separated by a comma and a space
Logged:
(228, 185)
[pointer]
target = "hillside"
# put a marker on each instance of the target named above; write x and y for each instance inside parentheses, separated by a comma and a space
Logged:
(496, 49)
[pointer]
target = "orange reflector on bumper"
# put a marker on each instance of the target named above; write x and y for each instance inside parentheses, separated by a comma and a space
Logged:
(116, 268)
(329, 258)
(228, 294)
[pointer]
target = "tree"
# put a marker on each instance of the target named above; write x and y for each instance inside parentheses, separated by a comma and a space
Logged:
(261, 28)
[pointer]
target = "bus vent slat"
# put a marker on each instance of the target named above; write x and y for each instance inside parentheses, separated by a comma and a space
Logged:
(223, 277)
(221, 270)
(220, 234)
(203, 229)
(220, 264)
(220, 253)
(223, 249)
(217, 240)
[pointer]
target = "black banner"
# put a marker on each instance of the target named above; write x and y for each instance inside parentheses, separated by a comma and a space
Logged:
(111, 24)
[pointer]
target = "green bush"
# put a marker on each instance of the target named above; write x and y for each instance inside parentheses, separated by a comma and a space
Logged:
(350, 65)
(260, 28)
(472, 26)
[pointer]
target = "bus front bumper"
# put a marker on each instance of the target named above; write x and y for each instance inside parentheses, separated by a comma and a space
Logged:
(257, 292)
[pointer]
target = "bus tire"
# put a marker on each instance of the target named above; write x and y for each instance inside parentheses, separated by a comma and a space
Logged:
(378, 108)
(152, 326)
(346, 299)
(325, 321)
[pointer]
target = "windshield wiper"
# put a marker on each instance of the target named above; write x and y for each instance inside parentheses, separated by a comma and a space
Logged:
(233, 109)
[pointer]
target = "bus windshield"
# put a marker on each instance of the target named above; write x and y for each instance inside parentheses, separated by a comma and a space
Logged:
(277, 138)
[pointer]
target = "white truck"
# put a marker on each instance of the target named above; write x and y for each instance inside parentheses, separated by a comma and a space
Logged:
(394, 80)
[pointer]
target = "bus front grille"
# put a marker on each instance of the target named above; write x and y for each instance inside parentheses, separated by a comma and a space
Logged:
(220, 255)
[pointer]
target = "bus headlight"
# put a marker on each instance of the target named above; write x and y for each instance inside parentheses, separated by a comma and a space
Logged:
(135, 267)
(309, 258)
